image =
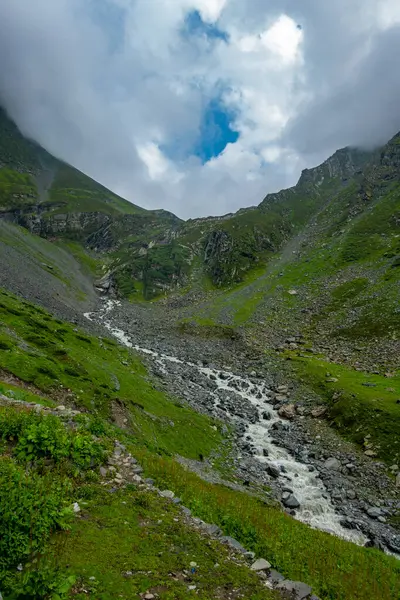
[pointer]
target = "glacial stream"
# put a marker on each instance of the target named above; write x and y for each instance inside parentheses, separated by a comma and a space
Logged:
(316, 508)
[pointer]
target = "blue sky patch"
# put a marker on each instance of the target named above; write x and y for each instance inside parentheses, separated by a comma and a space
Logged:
(194, 25)
(215, 131)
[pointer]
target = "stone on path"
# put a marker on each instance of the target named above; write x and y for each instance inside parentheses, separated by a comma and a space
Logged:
(167, 494)
(298, 590)
(260, 565)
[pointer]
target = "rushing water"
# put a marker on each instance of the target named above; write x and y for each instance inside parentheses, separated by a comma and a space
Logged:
(316, 508)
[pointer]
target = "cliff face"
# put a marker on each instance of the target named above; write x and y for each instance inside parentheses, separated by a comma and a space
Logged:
(148, 253)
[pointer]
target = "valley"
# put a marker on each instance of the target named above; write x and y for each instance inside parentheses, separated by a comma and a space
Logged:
(231, 386)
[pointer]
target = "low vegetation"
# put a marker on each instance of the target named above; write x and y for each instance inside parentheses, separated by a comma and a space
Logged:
(133, 531)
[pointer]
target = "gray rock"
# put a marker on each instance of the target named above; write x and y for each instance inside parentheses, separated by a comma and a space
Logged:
(290, 501)
(212, 529)
(273, 470)
(167, 494)
(275, 577)
(374, 512)
(103, 471)
(260, 565)
(332, 464)
(297, 589)
(186, 511)
(233, 544)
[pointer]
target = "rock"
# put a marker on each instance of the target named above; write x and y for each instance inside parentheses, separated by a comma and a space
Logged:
(61, 408)
(288, 411)
(331, 379)
(233, 544)
(292, 292)
(351, 494)
(275, 577)
(260, 565)
(212, 529)
(370, 453)
(374, 512)
(149, 596)
(332, 464)
(76, 507)
(297, 589)
(273, 470)
(398, 480)
(290, 501)
(319, 411)
(167, 494)
(103, 471)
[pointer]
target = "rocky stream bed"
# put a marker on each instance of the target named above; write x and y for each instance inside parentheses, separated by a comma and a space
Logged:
(332, 489)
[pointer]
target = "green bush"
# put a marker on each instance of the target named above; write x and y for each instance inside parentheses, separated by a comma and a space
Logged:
(40, 437)
(43, 583)
(31, 508)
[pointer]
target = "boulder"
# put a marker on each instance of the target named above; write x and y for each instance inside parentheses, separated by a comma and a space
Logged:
(297, 589)
(290, 501)
(273, 470)
(260, 565)
(374, 512)
(318, 412)
(288, 411)
(167, 494)
(332, 464)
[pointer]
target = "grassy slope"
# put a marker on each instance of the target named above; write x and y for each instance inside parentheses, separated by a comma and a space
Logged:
(344, 271)
(68, 366)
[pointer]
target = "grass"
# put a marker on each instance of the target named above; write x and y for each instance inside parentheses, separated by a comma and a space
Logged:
(90, 263)
(15, 392)
(336, 569)
(142, 536)
(137, 532)
(60, 358)
(355, 409)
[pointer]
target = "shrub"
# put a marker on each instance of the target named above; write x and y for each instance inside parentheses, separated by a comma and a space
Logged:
(41, 437)
(46, 582)
(31, 508)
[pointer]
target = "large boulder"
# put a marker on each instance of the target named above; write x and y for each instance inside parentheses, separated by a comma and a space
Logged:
(290, 500)
(287, 411)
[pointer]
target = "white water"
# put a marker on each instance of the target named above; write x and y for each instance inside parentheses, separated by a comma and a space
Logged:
(316, 509)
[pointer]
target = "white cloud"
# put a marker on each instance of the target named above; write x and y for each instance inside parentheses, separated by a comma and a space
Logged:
(123, 98)
(283, 38)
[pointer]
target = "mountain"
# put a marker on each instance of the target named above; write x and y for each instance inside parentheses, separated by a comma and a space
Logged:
(259, 387)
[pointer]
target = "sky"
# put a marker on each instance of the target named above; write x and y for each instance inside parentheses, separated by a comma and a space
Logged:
(200, 107)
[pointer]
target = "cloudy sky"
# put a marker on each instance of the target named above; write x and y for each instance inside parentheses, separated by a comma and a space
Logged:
(200, 106)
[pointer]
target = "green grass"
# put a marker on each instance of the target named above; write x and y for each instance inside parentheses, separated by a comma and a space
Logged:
(17, 190)
(138, 532)
(336, 569)
(61, 358)
(89, 262)
(79, 193)
(113, 537)
(15, 392)
(357, 410)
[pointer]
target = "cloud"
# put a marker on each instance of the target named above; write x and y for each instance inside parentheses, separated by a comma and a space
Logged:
(121, 89)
